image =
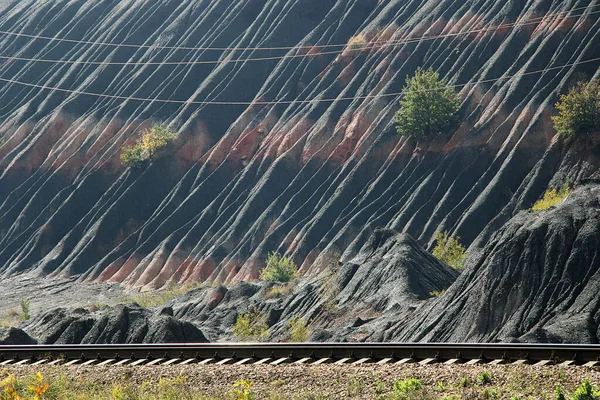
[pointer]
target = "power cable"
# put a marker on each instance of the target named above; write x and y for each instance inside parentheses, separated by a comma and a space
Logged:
(308, 47)
(190, 102)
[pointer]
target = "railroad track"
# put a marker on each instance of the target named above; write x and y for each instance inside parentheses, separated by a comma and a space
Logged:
(299, 353)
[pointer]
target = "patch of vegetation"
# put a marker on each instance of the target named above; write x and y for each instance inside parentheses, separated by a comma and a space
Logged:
(279, 268)
(436, 293)
(330, 288)
(299, 331)
(357, 42)
(251, 327)
(551, 198)
(559, 393)
(406, 388)
(449, 250)
(155, 298)
(150, 141)
(489, 394)
(242, 390)
(485, 378)
(579, 110)
(585, 392)
(428, 106)
(464, 382)
(25, 303)
(279, 291)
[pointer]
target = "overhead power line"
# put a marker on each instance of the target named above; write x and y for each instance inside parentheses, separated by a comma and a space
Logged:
(372, 44)
(248, 103)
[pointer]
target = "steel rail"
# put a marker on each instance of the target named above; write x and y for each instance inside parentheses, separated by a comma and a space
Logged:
(280, 353)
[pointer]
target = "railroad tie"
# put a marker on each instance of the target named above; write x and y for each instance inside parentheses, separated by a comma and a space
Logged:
(451, 361)
(244, 361)
(154, 362)
(262, 361)
(106, 362)
(342, 361)
(302, 361)
(362, 361)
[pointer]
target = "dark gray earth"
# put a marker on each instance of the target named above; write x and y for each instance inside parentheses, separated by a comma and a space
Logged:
(384, 293)
(319, 181)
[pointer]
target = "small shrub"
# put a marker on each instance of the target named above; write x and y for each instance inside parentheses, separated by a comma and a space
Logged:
(449, 250)
(435, 293)
(279, 269)
(559, 393)
(299, 331)
(551, 198)
(150, 141)
(585, 392)
(485, 378)
(251, 326)
(489, 394)
(132, 157)
(405, 388)
(10, 387)
(579, 110)
(242, 390)
(464, 382)
(24, 316)
(40, 386)
(428, 106)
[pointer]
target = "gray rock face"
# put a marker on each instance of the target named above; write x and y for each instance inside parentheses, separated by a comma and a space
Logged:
(15, 336)
(307, 178)
(121, 324)
(536, 280)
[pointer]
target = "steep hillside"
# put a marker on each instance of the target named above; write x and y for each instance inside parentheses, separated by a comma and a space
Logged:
(285, 142)
(536, 280)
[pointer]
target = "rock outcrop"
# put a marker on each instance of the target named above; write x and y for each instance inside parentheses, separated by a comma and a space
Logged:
(313, 171)
(12, 336)
(121, 324)
(536, 280)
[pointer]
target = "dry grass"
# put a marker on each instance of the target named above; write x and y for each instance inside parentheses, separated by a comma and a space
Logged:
(279, 291)
(357, 42)
(156, 298)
